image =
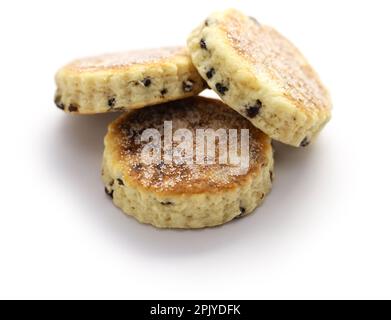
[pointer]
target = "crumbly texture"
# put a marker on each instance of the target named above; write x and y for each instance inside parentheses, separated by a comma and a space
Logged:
(125, 81)
(184, 195)
(260, 74)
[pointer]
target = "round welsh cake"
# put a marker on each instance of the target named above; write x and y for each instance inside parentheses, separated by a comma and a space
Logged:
(262, 75)
(127, 80)
(191, 163)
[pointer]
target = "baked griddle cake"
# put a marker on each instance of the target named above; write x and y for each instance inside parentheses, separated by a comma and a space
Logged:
(182, 194)
(127, 80)
(261, 75)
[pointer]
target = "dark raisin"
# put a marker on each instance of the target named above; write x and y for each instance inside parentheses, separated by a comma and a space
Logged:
(146, 82)
(242, 212)
(137, 167)
(206, 23)
(253, 110)
(203, 44)
(73, 108)
(120, 182)
(166, 203)
(58, 103)
(111, 102)
(305, 142)
(187, 85)
(60, 106)
(271, 175)
(109, 193)
(221, 88)
(163, 91)
(160, 165)
(210, 73)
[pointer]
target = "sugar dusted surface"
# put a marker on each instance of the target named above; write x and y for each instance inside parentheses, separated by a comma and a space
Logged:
(193, 113)
(273, 55)
(125, 59)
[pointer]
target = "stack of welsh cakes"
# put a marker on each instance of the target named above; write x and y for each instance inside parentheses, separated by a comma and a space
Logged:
(174, 159)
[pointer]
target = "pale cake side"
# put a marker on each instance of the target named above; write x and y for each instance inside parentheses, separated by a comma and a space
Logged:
(126, 80)
(171, 195)
(262, 75)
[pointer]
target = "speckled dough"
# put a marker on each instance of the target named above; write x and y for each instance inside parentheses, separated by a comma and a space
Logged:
(260, 74)
(170, 195)
(124, 81)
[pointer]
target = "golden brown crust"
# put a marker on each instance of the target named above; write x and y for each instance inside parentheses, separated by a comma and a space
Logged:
(170, 178)
(126, 81)
(272, 54)
(122, 61)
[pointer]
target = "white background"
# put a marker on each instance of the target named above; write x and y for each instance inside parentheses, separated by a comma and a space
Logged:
(323, 232)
